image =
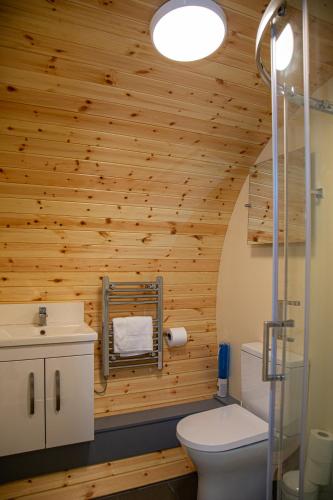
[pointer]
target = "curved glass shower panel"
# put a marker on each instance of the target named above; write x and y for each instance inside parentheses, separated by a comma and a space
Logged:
(300, 333)
(288, 164)
(320, 404)
(291, 276)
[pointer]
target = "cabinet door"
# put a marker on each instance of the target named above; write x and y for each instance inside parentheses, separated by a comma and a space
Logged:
(22, 415)
(69, 400)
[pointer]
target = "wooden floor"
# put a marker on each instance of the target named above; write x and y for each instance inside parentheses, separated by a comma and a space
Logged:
(102, 479)
(181, 488)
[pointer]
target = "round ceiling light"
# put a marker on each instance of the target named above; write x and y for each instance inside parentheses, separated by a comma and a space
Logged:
(188, 30)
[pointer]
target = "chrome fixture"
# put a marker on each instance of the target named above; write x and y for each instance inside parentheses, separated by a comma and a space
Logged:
(318, 193)
(131, 294)
(281, 335)
(42, 316)
(268, 325)
(276, 9)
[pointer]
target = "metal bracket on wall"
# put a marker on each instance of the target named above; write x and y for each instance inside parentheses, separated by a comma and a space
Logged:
(318, 193)
(281, 306)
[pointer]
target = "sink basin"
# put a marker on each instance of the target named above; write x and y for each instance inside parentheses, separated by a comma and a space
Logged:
(19, 335)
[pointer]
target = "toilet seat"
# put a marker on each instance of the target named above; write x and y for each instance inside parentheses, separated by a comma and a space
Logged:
(221, 429)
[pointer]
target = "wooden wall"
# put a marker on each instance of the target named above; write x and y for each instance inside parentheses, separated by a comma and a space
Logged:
(114, 160)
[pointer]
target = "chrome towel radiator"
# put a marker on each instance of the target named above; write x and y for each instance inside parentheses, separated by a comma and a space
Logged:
(142, 298)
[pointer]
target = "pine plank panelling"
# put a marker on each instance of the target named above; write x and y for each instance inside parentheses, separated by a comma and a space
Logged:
(102, 479)
(116, 161)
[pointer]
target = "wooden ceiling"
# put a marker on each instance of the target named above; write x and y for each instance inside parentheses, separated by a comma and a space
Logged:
(214, 112)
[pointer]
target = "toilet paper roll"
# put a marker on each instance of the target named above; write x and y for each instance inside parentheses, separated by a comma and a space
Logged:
(318, 473)
(320, 447)
(176, 337)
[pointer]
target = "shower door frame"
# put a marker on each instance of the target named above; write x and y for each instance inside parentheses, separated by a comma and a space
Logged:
(273, 10)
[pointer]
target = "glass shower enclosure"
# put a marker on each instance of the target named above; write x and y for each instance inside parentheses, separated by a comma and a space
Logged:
(294, 55)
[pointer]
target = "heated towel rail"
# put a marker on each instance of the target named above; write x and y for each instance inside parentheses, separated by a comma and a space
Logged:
(142, 298)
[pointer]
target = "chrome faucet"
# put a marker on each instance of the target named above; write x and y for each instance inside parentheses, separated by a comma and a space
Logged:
(42, 316)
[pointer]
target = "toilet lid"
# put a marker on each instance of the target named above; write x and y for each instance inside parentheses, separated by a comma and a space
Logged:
(221, 429)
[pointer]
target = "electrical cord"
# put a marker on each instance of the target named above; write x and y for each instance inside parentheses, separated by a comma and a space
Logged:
(103, 391)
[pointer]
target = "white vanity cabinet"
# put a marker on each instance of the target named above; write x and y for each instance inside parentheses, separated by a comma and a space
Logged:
(46, 376)
(46, 402)
(69, 401)
(22, 413)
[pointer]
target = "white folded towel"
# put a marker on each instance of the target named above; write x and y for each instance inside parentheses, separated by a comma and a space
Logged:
(133, 335)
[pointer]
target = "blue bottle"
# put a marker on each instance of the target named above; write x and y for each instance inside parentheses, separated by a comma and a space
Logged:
(223, 369)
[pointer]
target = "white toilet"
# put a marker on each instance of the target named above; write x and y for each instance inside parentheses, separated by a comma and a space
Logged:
(229, 448)
(228, 445)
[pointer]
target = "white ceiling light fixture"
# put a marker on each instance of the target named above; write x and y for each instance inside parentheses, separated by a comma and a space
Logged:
(188, 30)
(284, 48)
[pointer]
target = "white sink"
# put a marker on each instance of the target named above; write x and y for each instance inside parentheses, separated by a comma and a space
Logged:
(65, 324)
(17, 335)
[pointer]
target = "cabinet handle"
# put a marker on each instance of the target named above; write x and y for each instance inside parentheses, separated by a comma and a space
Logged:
(57, 382)
(32, 393)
